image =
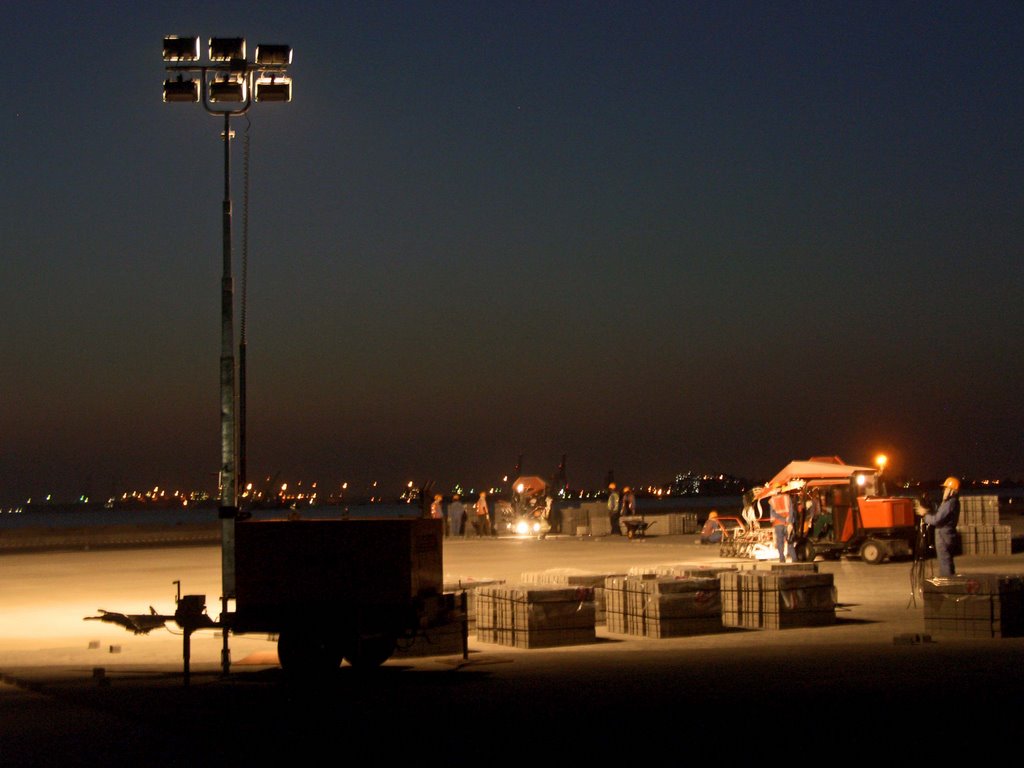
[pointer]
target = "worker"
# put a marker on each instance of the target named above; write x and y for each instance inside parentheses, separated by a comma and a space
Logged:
(483, 518)
(436, 510)
(613, 508)
(457, 516)
(711, 533)
(782, 524)
(944, 521)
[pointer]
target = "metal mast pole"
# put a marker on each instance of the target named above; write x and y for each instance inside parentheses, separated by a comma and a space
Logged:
(228, 442)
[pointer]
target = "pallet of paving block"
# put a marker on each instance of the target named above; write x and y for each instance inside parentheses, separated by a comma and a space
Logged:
(684, 627)
(684, 605)
(552, 638)
(979, 509)
(549, 593)
(681, 523)
(678, 585)
(572, 577)
(793, 567)
(741, 599)
(531, 616)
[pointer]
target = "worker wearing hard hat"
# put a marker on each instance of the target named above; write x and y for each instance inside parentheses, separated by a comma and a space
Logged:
(711, 533)
(613, 508)
(944, 520)
(783, 518)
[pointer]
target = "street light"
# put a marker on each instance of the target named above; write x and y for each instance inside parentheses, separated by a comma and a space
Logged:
(227, 79)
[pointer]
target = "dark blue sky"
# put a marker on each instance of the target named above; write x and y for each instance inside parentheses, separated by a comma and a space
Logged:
(652, 236)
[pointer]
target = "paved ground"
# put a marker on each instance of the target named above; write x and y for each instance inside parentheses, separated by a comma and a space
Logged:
(873, 684)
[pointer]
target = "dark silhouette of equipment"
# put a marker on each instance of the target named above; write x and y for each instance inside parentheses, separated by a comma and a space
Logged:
(139, 623)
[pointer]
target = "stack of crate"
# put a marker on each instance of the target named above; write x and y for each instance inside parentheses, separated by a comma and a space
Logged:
(780, 598)
(572, 577)
(975, 605)
(663, 606)
(524, 616)
(979, 529)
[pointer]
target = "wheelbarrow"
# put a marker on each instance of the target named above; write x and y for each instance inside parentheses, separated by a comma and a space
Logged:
(636, 527)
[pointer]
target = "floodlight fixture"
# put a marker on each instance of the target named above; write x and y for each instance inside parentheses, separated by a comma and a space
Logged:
(273, 55)
(226, 88)
(181, 90)
(273, 88)
(181, 48)
(227, 48)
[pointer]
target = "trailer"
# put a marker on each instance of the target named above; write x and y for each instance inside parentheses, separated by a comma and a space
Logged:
(334, 590)
(841, 511)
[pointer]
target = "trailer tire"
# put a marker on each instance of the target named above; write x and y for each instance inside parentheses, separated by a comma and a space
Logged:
(307, 652)
(872, 552)
(369, 651)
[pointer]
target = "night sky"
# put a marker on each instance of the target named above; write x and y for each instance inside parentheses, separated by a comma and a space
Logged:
(652, 236)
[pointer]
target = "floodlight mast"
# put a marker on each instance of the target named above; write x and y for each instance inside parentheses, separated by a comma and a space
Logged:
(228, 79)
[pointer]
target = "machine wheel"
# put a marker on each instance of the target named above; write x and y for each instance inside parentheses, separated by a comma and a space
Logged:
(872, 552)
(804, 551)
(369, 651)
(307, 652)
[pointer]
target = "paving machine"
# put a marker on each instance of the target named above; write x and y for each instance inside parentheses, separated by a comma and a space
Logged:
(841, 512)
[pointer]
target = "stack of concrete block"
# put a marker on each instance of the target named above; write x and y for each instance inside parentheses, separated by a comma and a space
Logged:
(524, 616)
(979, 528)
(576, 521)
(663, 606)
(681, 523)
(780, 598)
(975, 605)
(572, 577)
(586, 519)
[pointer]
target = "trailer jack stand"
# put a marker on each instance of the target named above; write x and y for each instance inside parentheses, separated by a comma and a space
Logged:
(190, 616)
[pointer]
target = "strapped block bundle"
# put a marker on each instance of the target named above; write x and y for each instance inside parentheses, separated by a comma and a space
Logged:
(777, 599)
(540, 616)
(572, 577)
(657, 606)
(975, 605)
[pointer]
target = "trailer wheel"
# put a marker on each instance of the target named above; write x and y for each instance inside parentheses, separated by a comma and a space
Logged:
(369, 651)
(872, 552)
(306, 652)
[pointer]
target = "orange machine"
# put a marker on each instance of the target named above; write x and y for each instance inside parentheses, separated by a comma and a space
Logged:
(839, 512)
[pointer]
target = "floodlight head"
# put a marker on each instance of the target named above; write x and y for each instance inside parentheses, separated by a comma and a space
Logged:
(181, 48)
(273, 55)
(227, 48)
(273, 88)
(228, 88)
(181, 90)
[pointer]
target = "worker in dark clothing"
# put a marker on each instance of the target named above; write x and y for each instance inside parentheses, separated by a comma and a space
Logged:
(944, 521)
